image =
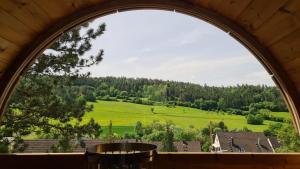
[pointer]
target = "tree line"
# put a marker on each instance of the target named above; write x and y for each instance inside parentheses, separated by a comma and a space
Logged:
(234, 99)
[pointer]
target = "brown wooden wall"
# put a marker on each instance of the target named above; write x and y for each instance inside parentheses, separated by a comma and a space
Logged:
(162, 161)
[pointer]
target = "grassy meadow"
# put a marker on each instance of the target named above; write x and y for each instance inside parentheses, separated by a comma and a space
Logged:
(124, 116)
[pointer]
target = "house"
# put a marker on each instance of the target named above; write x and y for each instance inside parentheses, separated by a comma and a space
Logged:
(243, 142)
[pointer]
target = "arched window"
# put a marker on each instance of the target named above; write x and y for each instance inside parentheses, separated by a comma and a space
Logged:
(162, 84)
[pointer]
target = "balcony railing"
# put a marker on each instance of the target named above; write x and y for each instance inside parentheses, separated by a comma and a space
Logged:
(161, 161)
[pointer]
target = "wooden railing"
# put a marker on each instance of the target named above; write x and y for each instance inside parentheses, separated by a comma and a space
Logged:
(162, 161)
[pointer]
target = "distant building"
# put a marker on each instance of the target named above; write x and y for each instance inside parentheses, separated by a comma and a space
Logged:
(243, 142)
(44, 145)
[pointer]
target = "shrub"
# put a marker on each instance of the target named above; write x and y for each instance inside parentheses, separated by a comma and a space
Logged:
(235, 111)
(255, 119)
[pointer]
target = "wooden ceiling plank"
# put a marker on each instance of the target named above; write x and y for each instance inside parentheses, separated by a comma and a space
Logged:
(3, 66)
(258, 12)
(296, 80)
(230, 8)
(18, 38)
(8, 52)
(28, 13)
(65, 6)
(75, 4)
(288, 48)
(15, 24)
(53, 10)
(203, 3)
(283, 22)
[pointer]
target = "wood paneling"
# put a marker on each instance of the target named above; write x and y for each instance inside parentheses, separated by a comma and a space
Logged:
(7, 51)
(13, 31)
(287, 49)
(53, 10)
(3, 66)
(227, 161)
(28, 13)
(66, 7)
(283, 22)
(43, 161)
(229, 8)
(258, 12)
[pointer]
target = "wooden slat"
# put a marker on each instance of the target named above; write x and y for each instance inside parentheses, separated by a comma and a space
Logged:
(294, 73)
(53, 10)
(27, 12)
(258, 12)
(203, 3)
(283, 22)
(229, 8)
(287, 49)
(227, 161)
(8, 51)
(64, 8)
(12, 30)
(3, 67)
(43, 161)
(161, 161)
(75, 4)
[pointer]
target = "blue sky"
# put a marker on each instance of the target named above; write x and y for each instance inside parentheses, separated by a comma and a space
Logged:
(173, 46)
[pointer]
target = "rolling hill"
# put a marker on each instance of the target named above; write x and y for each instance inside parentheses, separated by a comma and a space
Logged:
(124, 115)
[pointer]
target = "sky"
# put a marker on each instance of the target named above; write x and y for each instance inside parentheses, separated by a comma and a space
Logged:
(173, 46)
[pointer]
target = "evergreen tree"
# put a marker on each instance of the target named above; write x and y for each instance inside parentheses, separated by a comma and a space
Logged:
(110, 133)
(139, 129)
(46, 99)
(168, 140)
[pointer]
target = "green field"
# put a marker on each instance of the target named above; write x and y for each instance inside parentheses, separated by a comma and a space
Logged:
(124, 116)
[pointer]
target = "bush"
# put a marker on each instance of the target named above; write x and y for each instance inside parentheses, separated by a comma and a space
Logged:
(235, 111)
(155, 136)
(255, 119)
(188, 134)
(129, 136)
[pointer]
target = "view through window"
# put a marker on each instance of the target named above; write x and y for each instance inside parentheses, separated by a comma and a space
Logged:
(147, 76)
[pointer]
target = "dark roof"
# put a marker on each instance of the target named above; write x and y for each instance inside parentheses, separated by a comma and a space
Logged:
(182, 146)
(44, 145)
(274, 142)
(244, 142)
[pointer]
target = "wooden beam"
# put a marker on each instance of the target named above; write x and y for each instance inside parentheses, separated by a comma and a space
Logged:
(43, 161)
(226, 161)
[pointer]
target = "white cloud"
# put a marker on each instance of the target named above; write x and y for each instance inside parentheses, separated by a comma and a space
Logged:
(190, 37)
(202, 65)
(131, 59)
(174, 47)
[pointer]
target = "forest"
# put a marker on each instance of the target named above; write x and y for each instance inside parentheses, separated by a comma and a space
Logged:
(239, 99)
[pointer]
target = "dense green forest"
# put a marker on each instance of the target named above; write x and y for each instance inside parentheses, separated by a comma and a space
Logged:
(234, 99)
